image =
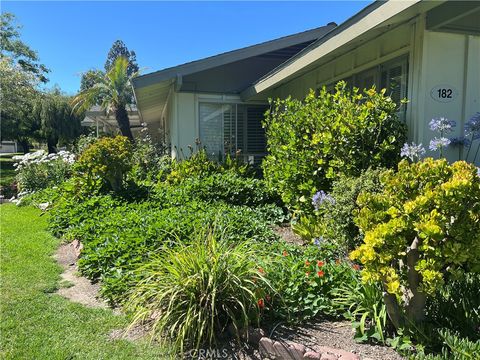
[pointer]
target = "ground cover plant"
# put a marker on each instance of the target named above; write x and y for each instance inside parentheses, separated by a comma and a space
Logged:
(181, 201)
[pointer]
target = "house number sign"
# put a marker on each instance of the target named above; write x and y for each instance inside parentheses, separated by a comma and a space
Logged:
(444, 93)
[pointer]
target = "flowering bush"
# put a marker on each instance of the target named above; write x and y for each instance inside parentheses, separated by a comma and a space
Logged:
(312, 142)
(104, 163)
(39, 170)
(422, 229)
(442, 126)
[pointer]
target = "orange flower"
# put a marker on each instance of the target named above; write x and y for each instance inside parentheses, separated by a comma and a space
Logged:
(285, 253)
(260, 303)
(356, 267)
(320, 273)
(261, 271)
(320, 263)
(307, 263)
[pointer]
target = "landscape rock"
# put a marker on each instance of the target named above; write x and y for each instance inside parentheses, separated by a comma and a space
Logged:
(340, 354)
(311, 355)
(327, 356)
(282, 352)
(297, 351)
(265, 346)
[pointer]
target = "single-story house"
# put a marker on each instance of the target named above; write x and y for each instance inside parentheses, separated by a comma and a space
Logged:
(425, 51)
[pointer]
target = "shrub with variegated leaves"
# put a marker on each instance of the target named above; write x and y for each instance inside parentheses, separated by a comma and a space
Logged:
(420, 231)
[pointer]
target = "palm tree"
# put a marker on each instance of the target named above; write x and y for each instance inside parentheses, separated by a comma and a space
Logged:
(113, 92)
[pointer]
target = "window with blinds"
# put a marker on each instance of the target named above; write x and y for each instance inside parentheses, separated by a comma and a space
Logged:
(226, 128)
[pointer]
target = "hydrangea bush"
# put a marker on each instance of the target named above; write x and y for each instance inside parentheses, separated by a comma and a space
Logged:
(420, 231)
(40, 170)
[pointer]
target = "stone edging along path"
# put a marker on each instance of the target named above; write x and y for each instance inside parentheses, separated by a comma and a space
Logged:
(271, 349)
(293, 351)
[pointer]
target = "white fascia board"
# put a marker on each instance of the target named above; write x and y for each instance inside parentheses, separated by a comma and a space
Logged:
(369, 22)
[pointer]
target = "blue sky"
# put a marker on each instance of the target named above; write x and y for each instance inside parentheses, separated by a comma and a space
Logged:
(72, 37)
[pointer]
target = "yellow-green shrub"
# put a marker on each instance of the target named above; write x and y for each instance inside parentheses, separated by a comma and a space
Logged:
(422, 228)
(105, 163)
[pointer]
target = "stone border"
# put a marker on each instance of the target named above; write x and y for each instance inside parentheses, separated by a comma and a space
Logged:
(271, 349)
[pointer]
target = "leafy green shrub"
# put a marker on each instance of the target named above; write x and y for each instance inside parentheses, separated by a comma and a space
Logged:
(192, 293)
(39, 170)
(421, 229)
(197, 165)
(337, 217)
(104, 163)
(150, 163)
(227, 186)
(303, 280)
(312, 142)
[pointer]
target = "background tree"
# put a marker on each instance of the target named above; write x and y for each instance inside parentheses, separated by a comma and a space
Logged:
(13, 47)
(59, 125)
(17, 97)
(89, 78)
(114, 91)
(119, 49)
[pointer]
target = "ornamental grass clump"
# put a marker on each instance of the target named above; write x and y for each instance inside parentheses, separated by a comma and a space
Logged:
(420, 231)
(191, 293)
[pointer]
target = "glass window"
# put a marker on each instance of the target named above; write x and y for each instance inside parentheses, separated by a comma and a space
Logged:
(227, 128)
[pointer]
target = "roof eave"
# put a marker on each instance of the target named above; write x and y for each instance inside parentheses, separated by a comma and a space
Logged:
(367, 19)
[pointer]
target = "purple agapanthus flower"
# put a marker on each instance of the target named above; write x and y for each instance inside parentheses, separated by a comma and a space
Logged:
(459, 141)
(438, 143)
(472, 126)
(412, 151)
(442, 125)
(318, 241)
(320, 197)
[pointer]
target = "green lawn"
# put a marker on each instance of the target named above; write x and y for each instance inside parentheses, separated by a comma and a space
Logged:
(7, 174)
(38, 324)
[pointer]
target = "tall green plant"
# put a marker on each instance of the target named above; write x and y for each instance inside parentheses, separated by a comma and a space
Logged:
(192, 293)
(312, 142)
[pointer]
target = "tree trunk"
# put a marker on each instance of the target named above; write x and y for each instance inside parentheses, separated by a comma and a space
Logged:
(394, 311)
(52, 145)
(415, 309)
(123, 122)
(25, 146)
